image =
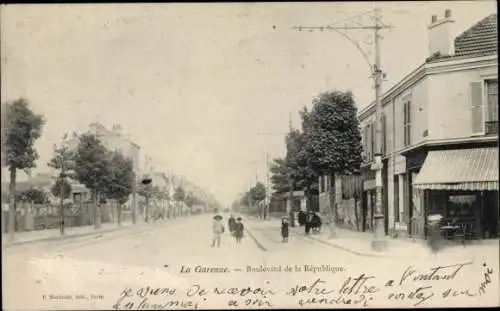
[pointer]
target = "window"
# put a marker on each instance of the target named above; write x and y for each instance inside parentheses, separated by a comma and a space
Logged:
(484, 107)
(461, 206)
(407, 122)
(491, 116)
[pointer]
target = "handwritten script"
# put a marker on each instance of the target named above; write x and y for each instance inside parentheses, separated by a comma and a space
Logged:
(413, 287)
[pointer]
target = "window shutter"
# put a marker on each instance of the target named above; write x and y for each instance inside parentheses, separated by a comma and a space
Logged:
(404, 123)
(476, 100)
(408, 121)
(492, 101)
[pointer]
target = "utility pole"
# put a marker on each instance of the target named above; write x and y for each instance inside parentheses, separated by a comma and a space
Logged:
(268, 173)
(291, 214)
(134, 197)
(61, 192)
(289, 208)
(268, 189)
(379, 242)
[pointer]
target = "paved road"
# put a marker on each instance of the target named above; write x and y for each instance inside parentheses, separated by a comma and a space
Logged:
(155, 255)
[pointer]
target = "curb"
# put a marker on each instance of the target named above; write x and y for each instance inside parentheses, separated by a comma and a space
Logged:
(341, 247)
(259, 245)
(69, 237)
(334, 245)
(373, 255)
(81, 235)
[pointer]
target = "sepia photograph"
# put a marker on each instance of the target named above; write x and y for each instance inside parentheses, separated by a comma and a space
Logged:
(249, 155)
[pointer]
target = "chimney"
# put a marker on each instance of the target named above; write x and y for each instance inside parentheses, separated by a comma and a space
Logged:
(441, 38)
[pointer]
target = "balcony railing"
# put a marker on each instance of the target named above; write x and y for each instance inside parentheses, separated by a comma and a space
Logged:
(491, 128)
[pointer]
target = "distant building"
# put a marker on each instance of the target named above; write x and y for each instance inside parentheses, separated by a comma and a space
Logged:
(114, 140)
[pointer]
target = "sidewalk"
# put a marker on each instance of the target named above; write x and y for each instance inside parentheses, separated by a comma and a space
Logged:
(359, 243)
(70, 232)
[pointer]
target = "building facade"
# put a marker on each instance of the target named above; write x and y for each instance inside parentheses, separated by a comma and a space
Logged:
(113, 139)
(440, 136)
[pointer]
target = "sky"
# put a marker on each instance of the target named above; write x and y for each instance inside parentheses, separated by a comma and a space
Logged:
(196, 85)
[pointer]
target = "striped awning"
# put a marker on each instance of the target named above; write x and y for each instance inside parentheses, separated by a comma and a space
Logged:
(461, 169)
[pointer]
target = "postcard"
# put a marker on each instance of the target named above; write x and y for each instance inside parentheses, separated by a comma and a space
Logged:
(260, 155)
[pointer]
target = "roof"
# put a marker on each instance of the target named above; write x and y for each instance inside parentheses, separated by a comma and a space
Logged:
(480, 39)
(460, 169)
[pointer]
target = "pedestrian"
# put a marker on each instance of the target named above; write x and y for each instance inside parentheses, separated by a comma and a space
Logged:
(239, 227)
(218, 229)
(315, 223)
(230, 223)
(302, 218)
(284, 229)
(308, 223)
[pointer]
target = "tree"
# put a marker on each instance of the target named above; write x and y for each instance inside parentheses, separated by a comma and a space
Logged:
(145, 189)
(92, 169)
(179, 194)
(306, 177)
(333, 140)
(258, 192)
(301, 176)
(163, 196)
(61, 185)
(246, 200)
(279, 176)
(34, 195)
(190, 199)
(293, 142)
(63, 161)
(22, 128)
(158, 195)
(120, 181)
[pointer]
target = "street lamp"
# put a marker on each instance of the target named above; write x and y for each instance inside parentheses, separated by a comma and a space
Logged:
(146, 181)
(379, 243)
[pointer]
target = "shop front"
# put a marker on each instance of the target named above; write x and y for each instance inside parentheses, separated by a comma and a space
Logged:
(350, 202)
(368, 197)
(368, 207)
(461, 185)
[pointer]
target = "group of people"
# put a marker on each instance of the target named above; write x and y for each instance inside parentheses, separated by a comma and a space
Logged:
(236, 229)
(310, 220)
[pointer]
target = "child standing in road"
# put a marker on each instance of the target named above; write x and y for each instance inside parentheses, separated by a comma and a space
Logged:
(284, 229)
(231, 223)
(218, 229)
(239, 230)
